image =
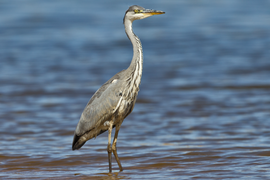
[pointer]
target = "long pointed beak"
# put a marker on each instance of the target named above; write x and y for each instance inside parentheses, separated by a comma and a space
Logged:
(152, 12)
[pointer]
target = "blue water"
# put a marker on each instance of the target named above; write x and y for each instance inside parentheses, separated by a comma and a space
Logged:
(203, 106)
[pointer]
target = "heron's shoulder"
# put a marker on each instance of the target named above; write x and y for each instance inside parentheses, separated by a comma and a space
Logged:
(111, 86)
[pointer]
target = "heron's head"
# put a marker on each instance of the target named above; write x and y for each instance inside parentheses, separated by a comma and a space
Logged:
(137, 12)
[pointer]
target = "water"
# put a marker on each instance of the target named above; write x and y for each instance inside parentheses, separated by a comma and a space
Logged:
(202, 111)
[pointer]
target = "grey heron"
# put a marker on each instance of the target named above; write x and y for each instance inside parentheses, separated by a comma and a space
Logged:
(115, 99)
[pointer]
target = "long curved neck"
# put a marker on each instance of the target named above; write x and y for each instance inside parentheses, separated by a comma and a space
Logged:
(136, 65)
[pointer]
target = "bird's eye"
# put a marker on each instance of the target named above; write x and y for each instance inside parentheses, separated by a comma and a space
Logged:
(138, 11)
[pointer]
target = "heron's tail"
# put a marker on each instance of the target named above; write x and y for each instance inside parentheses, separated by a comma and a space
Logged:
(78, 142)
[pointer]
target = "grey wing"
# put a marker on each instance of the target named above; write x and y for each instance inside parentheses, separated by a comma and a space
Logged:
(101, 106)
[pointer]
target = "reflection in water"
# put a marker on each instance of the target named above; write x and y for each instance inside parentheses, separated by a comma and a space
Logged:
(202, 111)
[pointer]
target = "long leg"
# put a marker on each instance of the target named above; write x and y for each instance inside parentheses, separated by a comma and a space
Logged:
(109, 148)
(114, 150)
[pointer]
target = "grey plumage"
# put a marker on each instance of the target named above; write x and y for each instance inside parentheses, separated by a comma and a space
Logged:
(115, 99)
(101, 107)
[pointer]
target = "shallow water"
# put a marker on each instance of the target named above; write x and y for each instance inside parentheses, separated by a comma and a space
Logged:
(203, 106)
